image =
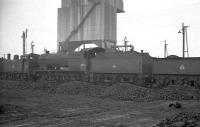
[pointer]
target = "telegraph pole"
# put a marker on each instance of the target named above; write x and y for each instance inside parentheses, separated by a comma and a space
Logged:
(183, 32)
(24, 40)
(185, 39)
(26, 35)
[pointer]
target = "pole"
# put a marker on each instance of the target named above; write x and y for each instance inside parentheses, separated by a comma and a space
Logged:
(125, 43)
(23, 41)
(165, 49)
(26, 35)
(186, 38)
(32, 47)
(183, 32)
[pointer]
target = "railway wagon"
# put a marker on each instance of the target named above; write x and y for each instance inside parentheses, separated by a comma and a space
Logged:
(131, 67)
(177, 70)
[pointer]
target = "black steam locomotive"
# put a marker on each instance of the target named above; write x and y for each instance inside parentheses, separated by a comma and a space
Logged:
(100, 65)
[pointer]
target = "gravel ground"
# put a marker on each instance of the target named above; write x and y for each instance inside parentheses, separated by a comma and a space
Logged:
(77, 104)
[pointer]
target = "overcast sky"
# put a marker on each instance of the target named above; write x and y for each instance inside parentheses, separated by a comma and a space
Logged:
(146, 23)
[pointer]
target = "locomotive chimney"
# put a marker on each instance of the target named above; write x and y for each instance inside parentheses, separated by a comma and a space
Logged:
(8, 56)
(16, 57)
(142, 51)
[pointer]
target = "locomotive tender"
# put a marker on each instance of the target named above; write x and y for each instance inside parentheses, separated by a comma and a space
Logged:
(177, 70)
(100, 65)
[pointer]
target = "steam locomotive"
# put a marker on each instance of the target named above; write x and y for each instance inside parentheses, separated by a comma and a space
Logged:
(101, 65)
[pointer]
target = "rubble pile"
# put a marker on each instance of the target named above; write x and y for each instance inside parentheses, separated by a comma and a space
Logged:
(44, 86)
(177, 92)
(81, 88)
(128, 92)
(118, 91)
(49, 87)
(12, 85)
(183, 119)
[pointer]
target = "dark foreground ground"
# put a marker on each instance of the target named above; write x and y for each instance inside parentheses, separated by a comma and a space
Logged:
(35, 108)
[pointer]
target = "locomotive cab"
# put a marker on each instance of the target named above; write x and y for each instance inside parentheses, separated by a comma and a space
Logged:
(29, 63)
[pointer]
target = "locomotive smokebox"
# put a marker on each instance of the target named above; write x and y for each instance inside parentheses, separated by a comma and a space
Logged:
(8, 56)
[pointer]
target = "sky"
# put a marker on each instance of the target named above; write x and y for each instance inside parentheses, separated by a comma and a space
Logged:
(145, 23)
